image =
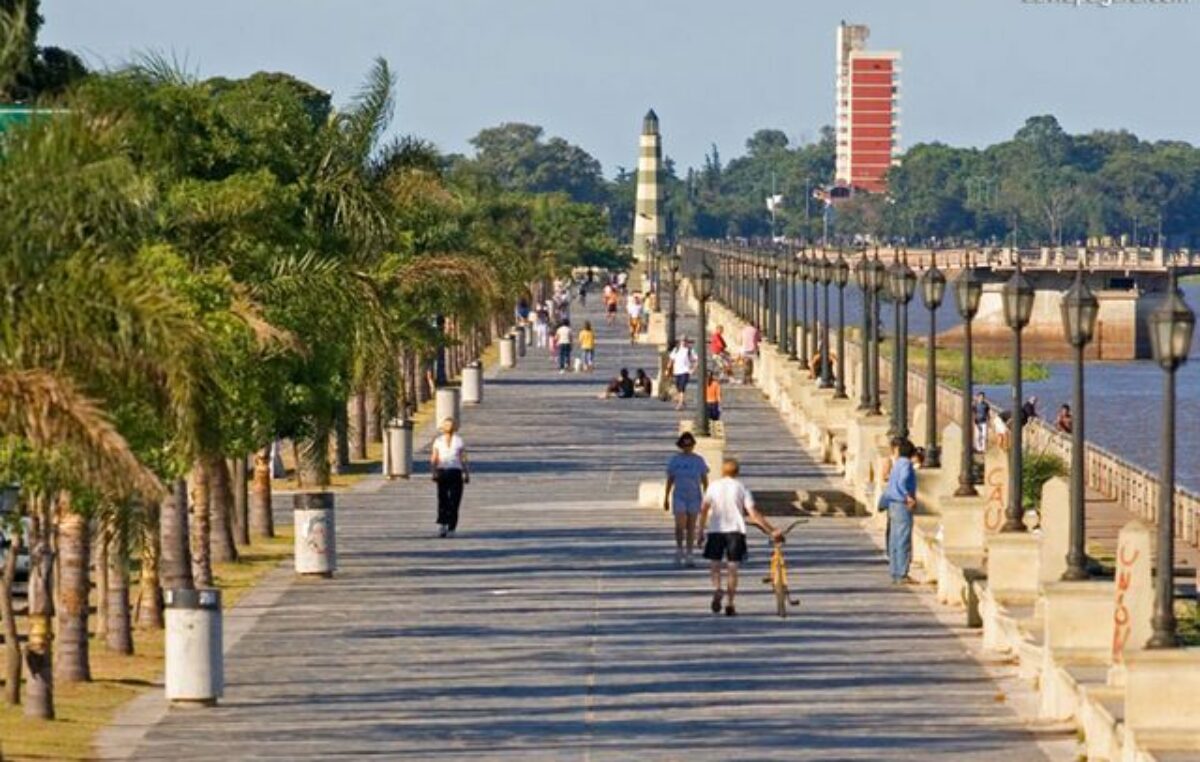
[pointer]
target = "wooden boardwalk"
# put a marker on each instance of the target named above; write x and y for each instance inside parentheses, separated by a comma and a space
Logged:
(555, 626)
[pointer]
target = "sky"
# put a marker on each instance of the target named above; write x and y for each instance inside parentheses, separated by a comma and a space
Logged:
(714, 70)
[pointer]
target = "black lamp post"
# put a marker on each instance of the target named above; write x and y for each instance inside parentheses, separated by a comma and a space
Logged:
(933, 289)
(704, 283)
(764, 295)
(793, 269)
(772, 289)
(841, 276)
(802, 271)
(673, 262)
(814, 276)
(968, 290)
(785, 312)
(876, 275)
(862, 278)
(1171, 327)
(902, 284)
(825, 273)
(1079, 310)
(656, 261)
(1018, 307)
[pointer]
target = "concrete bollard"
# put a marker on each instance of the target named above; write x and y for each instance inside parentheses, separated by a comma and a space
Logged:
(398, 449)
(521, 339)
(316, 540)
(447, 405)
(195, 666)
(508, 351)
(472, 384)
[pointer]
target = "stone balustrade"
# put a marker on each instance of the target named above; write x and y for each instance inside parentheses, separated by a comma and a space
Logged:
(1080, 643)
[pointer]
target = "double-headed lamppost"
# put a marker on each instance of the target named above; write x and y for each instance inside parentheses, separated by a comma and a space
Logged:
(825, 273)
(876, 275)
(862, 278)
(902, 283)
(814, 276)
(1079, 310)
(968, 290)
(841, 276)
(704, 284)
(1171, 327)
(933, 288)
(1018, 307)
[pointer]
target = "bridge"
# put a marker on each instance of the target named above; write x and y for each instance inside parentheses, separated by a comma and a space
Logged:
(1128, 282)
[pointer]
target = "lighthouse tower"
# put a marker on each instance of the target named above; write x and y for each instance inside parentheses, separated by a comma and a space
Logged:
(649, 224)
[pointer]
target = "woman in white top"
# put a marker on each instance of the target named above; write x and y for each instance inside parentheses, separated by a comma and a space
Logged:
(448, 463)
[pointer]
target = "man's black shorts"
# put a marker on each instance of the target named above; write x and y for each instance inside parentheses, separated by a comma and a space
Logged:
(730, 546)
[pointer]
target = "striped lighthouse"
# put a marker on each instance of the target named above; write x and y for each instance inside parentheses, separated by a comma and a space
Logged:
(649, 224)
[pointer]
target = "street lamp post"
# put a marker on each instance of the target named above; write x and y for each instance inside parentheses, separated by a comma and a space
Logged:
(862, 278)
(933, 289)
(825, 273)
(802, 271)
(1171, 327)
(764, 284)
(876, 275)
(704, 282)
(968, 290)
(841, 276)
(1079, 310)
(772, 289)
(656, 258)
(902, 284)
(793, 269)
(1018, 307)
(673, 265)
(814, 275)
(785, 314)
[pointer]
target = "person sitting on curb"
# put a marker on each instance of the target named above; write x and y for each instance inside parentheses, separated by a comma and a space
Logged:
(620, 387)
(729, 505)
(687, 479)
(642, 386)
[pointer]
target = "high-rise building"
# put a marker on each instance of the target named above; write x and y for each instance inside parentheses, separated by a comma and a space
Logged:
(649, 224)
(868, 111)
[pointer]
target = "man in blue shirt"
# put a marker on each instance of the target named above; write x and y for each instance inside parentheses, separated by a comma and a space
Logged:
(899, 498)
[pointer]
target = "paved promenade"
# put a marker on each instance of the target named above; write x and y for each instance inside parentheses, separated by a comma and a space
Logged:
(555, 626)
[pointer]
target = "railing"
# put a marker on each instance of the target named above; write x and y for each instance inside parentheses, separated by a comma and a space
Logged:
(996, 258)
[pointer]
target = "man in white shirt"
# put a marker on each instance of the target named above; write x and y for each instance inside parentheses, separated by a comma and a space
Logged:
(683, 364)
(728, 504)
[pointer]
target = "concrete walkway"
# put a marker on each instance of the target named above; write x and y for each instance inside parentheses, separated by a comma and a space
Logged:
(555, 626)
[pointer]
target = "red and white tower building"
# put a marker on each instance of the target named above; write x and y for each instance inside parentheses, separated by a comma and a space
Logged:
(868, 111)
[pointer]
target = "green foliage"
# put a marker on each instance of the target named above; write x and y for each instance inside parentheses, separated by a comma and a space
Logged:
(1038, 468)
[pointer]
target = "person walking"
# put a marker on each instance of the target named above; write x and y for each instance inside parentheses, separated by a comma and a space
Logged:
(448, 464)
(562, 340)
(587, 344)
(683, 363)
(981, 414)
(899, 498)
(726, 508)
(633, 308)
(610, 304)
(687, 479)
(541, 326)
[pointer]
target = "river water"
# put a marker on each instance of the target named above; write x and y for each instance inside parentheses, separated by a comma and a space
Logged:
(1123, 400)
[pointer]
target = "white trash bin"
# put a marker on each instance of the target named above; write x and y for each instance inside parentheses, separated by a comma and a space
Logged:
(195, 666)
(472, 384)
(508, 351)
(398, 449)
(315, 546)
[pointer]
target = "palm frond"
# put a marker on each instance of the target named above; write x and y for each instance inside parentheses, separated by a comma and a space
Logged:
(47, 409)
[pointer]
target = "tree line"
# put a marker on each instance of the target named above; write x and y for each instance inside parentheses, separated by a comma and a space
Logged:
(192, 269)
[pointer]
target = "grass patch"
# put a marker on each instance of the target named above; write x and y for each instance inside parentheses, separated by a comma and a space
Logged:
(84, 708)
(986, 371)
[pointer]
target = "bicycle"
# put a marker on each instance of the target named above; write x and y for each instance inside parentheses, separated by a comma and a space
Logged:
(777, 575)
